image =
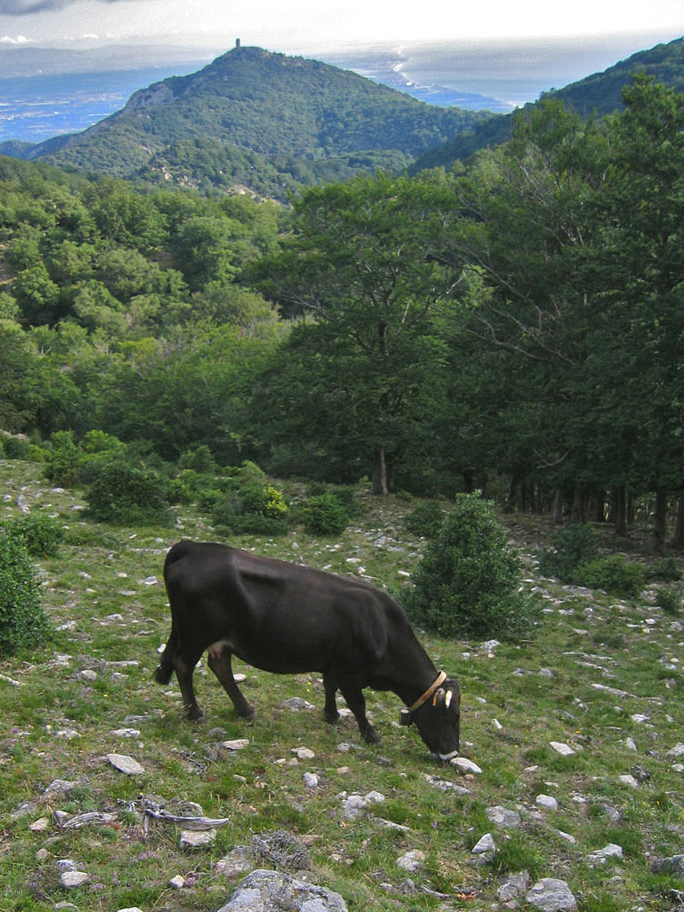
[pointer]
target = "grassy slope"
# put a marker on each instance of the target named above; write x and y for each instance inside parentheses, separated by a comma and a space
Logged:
(588, 639)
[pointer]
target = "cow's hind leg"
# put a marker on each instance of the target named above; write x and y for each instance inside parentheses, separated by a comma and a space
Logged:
(220, 662)
(184, 667)
(330, 713)
(353, 695)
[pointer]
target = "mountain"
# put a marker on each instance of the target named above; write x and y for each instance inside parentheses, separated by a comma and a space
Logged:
(251, 112)
(601, 92)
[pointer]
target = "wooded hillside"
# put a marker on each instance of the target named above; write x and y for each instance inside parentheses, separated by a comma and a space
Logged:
(515, 325)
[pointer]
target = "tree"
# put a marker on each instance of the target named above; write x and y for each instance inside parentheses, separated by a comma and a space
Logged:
(358, 275)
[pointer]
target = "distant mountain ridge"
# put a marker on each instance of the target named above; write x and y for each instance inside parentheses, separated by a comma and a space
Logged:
(600, 92)
(251, 110)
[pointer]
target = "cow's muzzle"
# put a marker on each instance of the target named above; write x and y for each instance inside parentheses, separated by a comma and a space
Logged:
(445, 758)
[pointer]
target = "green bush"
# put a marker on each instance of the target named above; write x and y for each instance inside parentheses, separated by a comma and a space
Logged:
(126, 494)
(23, 623)
(426, 519)
(467, 583)
(16, 447)
(663, 569)
(614, 574)
(40, 534)
(670, 599)
(200, 460)
(253, 506)
(325, 514)
(64, 460)
(573, 546)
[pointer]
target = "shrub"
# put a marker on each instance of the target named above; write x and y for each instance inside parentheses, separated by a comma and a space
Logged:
(614, 574)
(23, 622)
(16, 447)
(467, 583)
(121, 493)
(98, 448)
(574, 545)
(40, 534)
(426, 519)
(64, 460)
(325, 514)
(663, 569)
(670, 599)
(199, 460)
(254, 505)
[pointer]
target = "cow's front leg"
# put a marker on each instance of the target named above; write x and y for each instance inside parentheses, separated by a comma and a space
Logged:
(184, 670)
(330, 713)
(220, 662)
(357, 703)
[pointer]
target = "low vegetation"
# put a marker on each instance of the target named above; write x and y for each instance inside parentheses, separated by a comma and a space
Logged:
(603, 676)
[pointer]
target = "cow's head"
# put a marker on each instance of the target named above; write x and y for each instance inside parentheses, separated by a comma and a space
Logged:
(438, 720)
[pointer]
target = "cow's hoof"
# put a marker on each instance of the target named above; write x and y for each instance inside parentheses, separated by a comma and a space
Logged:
(195, 714)
(331, 717)
(370, 736)
(247, 713)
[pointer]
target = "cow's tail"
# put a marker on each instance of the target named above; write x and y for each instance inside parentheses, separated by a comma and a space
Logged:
(164, 670)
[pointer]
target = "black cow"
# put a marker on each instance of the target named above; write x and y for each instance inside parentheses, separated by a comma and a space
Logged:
(286, 618)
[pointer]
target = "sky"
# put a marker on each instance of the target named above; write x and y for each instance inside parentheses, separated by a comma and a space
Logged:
(297, 26)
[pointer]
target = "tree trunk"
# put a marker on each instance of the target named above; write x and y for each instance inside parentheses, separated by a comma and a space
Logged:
(678, 534)
(379, 478)
(660, 520)
(469, 480)
(577, 513)
(558, 507)
(618, 510)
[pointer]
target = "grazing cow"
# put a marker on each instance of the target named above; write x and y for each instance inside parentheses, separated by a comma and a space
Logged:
(286, 618)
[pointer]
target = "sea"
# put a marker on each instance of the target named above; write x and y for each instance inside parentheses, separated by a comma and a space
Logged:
(37, 103)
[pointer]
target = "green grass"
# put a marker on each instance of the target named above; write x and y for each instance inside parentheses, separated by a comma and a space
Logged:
(97, 589)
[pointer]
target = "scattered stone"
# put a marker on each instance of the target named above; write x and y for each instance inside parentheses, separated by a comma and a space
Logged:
(68, 734)
(412, 862)
(236, 745)
(60, 787)
(546, 801)
(551, 895)
(303, 753)
(125, 732)
(446, 785)
(628, 780)
(87, 675)
(563, 749)
(489, 646)
(640, 718)
(464, 766)
(503, 817)
(90, 818)
(511, 886)
(485, 846)
(40, 825)
(128, 909)
(567, 837)
(296, 704)
(281, 849)
(272, 891)
(72, 879)
(355, 805)
(239, 860)
(197, 839)
(630, 743)
(311, 780)
(673, 865)
(601, 856)
(391, 825)
(640, 773)
(676, 751)
(125, 764)
(177, 882)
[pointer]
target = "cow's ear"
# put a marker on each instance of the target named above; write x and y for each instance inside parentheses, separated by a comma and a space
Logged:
(439, 696)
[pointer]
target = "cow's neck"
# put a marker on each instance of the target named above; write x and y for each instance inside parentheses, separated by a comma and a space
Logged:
(414, 674)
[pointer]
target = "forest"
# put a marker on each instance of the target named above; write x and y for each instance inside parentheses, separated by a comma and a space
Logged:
(514, 324)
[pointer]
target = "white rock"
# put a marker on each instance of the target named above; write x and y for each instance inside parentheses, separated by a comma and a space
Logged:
(563, 749)
(354, 805)
(484, 845)
(546, 801)
(310, 780)
(463, 765)
(40, 825)
(639, 718)
(628, 780)
(676, 751)
(630, 744)
(177, 882)
(602, 855)
(194, 839)
(125, 732)
(235, 745)
(411, 861)
(303, 753)
(125, 764)
(73, 878)
(551, 895)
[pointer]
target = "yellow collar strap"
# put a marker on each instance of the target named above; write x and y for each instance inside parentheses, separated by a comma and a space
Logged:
(441, 678)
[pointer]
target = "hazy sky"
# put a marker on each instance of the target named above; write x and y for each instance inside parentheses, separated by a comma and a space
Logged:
(301, 24)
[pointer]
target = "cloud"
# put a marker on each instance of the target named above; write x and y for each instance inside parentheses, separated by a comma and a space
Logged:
(27, 7)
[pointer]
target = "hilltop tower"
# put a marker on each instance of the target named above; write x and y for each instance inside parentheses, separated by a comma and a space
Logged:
(237, 42)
